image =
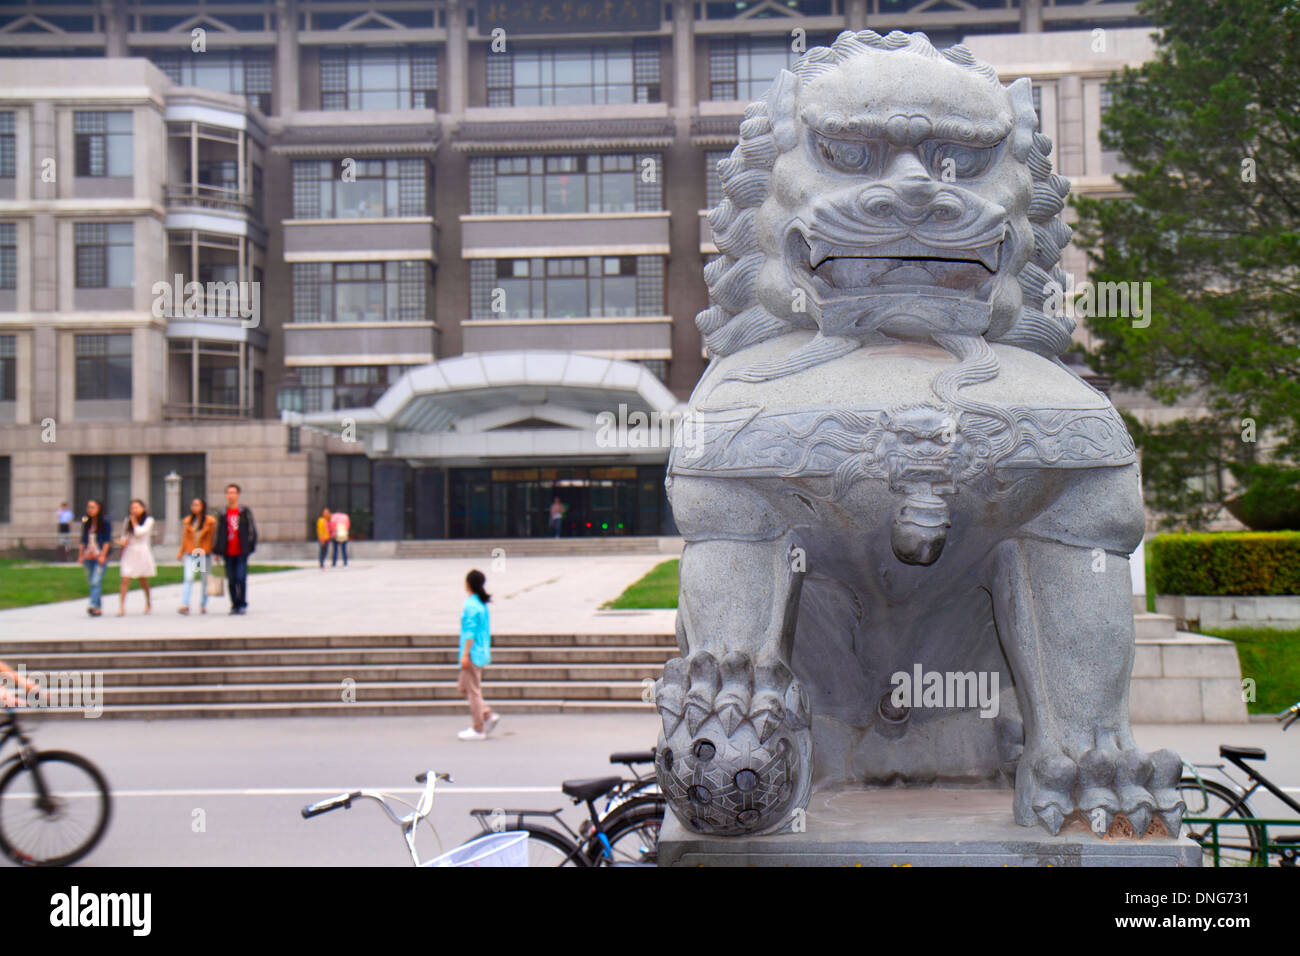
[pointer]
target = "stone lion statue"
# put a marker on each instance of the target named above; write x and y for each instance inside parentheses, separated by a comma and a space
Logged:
(889, 473)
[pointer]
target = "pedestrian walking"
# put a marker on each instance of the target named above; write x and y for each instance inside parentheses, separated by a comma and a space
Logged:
(557, 515)
(96, 542)
(137, 555)
(197, 533)
(64, 519)
(323, 535)
(341, 529)
(235, 541)
(475, 654)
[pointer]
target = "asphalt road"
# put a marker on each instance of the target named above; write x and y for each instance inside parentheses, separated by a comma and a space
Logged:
(245, 780)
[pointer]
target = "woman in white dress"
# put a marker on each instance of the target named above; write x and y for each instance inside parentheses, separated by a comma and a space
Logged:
(137, 555)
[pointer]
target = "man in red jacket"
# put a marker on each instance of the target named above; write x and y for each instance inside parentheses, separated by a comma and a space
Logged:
(236, 539)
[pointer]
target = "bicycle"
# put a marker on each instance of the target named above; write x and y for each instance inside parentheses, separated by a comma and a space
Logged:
(41, 793)
(409, 823)
(627, 834)
(642, 788)
(1211, 805)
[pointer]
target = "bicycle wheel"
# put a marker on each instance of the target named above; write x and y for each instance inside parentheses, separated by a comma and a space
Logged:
(633, 834)
(1209, 798)
(53, 810)
(548, 847)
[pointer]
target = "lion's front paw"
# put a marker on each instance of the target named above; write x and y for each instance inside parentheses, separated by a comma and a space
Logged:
(1101, 786)
(735, 754)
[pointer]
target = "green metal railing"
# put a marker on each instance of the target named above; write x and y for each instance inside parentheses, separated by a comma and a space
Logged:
(1260, 849)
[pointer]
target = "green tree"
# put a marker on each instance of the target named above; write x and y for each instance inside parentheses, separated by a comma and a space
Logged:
(1210, 131)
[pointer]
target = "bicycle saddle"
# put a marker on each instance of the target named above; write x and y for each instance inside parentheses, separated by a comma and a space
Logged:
(1244, 753)
(590, 789)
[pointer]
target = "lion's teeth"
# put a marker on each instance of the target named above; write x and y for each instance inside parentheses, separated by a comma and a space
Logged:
(818, 253)
(989, 255)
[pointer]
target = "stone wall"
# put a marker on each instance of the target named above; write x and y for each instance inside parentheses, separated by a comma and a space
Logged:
(1280, 611)
(285, 489)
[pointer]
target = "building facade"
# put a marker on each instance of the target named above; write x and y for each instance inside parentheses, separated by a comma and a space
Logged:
(400, 257)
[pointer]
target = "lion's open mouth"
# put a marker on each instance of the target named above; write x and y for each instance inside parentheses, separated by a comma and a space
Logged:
(900, 266)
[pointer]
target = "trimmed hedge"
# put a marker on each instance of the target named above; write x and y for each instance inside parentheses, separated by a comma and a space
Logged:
(1226, 563)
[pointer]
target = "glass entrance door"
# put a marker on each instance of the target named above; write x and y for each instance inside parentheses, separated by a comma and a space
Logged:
(516, 502)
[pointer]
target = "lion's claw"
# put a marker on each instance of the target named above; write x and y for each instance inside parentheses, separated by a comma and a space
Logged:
(1102, 785)
(740, 760)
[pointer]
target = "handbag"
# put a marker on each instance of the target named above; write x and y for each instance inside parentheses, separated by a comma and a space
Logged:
(216, 585)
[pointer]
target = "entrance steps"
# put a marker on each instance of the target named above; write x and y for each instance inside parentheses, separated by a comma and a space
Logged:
(349, 675)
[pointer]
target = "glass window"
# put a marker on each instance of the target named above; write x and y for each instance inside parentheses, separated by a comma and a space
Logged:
(713, 184)
(107, 479)
(350, 491)
(103, 367)
(105, 255)
(8, 255)
(103, 143)
(7, 169)
(193, 472)
(226, 71)
(360, 292)
(6, 489)
(602, 182)
(574, 76)
(569, 288)
(365, 189)
(743, 68)
(8, 367)
(378, 78)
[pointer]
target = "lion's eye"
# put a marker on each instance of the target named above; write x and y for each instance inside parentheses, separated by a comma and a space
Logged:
(948, 161)
(848, 156)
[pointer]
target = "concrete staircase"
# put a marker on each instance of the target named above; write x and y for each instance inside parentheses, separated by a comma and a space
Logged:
(1183, 678)
(1177, 677)
(349, 676)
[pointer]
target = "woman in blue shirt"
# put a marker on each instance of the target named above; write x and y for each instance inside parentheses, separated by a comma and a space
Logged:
(475, 654)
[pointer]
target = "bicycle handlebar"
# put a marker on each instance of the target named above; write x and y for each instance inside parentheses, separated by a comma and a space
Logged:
(1290, 715)
(423, 777)
(632, 757)
(333, 803)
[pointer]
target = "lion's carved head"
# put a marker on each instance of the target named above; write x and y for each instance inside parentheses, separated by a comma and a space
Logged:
(887, 190)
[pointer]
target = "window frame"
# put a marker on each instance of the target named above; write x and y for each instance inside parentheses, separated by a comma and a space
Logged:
(105, 386)
(93, 148)
(93, 256)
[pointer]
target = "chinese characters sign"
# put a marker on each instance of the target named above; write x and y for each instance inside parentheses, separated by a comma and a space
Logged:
(568, 16)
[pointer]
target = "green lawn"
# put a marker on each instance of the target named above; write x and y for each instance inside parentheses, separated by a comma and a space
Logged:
(656, 589)
(1272, 658)
(23, 583)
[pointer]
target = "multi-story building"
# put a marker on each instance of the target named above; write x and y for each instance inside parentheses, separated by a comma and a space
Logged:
(433, 240)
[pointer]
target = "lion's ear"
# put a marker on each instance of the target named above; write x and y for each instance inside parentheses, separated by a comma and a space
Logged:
(780, 109)
(1021, 93)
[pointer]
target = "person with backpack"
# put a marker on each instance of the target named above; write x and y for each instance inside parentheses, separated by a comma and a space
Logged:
(475, 654)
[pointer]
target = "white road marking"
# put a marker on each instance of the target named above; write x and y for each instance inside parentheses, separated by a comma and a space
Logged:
(297, 791)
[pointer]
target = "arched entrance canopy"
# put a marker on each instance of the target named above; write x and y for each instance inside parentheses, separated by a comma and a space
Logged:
(509, 406)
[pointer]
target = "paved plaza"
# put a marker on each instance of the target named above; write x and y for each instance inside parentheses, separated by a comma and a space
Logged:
(530, 595)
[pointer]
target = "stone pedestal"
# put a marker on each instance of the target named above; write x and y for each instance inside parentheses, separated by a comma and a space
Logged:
(918, 828)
